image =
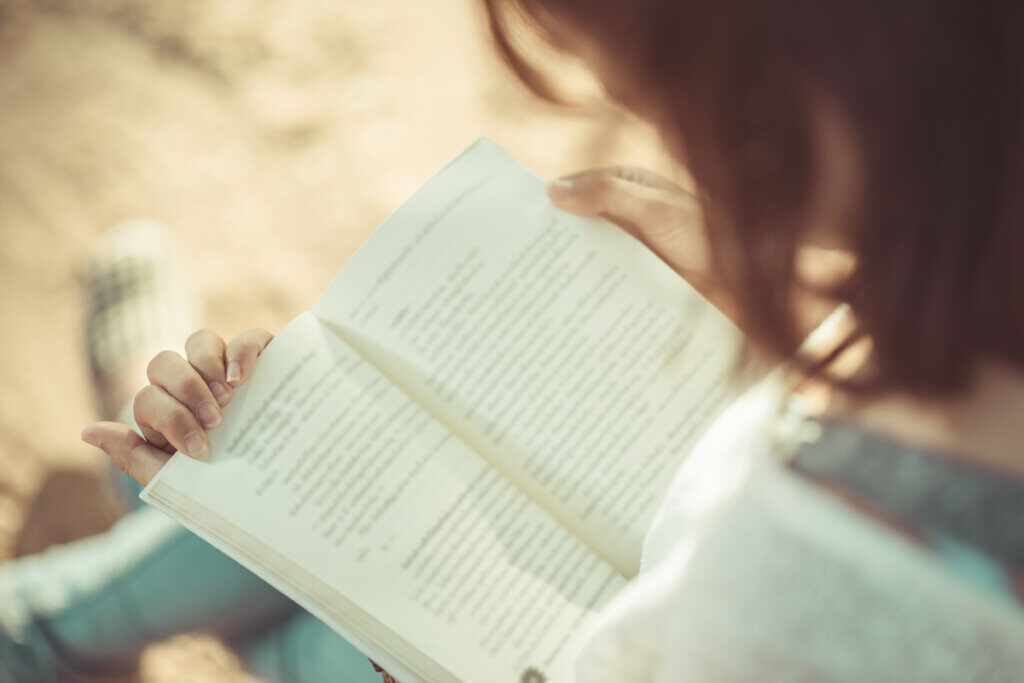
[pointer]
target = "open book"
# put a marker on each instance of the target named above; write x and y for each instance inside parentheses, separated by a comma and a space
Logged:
(452, 459)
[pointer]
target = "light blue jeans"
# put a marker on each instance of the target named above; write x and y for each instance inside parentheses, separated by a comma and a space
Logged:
(158, 580)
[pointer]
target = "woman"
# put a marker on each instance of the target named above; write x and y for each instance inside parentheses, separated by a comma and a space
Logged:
(878, 535)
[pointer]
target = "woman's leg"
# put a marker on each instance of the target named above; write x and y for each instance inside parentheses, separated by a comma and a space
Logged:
(303, 649)
(92, 605)
(144, 580)
(97, 602)
(105, 598)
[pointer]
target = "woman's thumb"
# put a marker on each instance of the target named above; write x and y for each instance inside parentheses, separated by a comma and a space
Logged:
(603, 192)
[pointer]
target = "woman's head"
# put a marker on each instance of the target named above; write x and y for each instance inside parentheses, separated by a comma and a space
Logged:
(891, 128)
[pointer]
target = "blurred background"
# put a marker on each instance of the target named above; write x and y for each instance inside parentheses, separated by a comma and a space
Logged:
(271, 137)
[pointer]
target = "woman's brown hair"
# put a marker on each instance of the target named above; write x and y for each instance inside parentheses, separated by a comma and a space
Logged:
(933, 91)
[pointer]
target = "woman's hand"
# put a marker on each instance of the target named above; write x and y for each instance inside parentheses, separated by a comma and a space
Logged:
(183, 399)
(659, 213)
(653, 209)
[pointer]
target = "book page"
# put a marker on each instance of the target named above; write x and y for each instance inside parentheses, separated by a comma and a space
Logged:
(560, 348)
(343, 492)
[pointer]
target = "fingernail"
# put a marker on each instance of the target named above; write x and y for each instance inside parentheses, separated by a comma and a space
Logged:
(90, 437)
(562, 186)
(220, 392)
(208, 414)
(195, 445)
(234, 371)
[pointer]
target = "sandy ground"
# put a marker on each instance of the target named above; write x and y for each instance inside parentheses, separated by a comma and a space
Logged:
(271, 137)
